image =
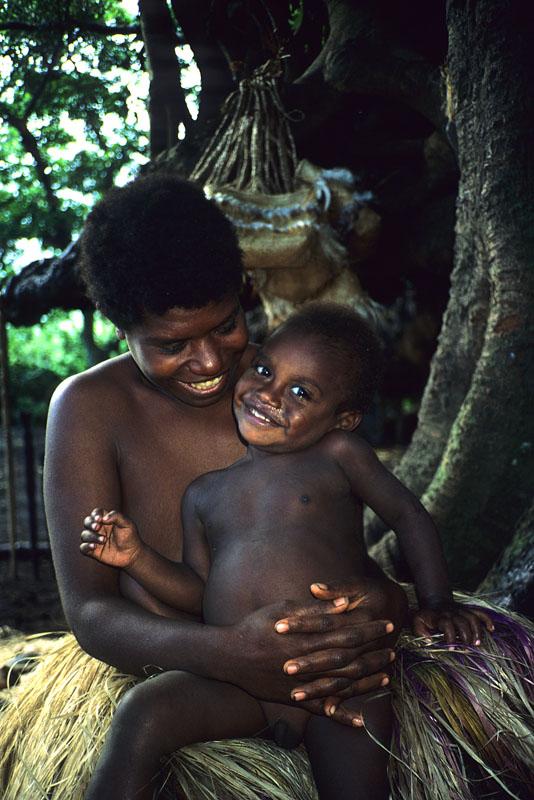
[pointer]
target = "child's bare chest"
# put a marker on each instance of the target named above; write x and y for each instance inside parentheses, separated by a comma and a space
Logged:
(272, 533)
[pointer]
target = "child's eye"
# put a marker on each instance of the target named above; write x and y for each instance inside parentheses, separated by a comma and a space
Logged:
(300, 392)
(265, 372)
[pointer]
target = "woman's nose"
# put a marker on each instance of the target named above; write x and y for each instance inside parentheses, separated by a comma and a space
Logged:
(206, 359)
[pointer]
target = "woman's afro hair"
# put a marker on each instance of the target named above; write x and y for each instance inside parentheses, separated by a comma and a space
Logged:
(351, 341)
(155, 244)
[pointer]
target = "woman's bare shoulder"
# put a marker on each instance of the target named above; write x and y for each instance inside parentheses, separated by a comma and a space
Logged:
(115, 373)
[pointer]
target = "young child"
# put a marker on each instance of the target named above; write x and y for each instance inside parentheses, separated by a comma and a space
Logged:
(290, 508)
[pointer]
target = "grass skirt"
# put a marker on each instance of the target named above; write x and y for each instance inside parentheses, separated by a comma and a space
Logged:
(463, 728)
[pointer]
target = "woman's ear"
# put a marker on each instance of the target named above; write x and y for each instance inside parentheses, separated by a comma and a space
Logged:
(348, 420)
(121, 336)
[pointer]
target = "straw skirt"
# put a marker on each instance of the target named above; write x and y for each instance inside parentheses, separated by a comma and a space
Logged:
(463, 728)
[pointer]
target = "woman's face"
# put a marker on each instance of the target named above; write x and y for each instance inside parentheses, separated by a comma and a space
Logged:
(192, 355)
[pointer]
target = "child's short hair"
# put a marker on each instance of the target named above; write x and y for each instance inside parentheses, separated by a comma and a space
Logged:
(154, 244)
(350, 338)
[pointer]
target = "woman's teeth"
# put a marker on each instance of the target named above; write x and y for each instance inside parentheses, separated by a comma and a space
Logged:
(205, 386)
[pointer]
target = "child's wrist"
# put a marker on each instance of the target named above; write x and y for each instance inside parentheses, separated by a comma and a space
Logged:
(139, 555)
(437, 601)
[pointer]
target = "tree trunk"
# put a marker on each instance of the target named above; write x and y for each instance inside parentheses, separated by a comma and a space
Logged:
(166, 102)
(472, 456)
(510, 582)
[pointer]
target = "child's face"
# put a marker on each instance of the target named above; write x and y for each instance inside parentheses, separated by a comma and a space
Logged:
(288, 399)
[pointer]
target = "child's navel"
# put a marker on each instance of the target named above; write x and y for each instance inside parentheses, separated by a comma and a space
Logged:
(305, 499)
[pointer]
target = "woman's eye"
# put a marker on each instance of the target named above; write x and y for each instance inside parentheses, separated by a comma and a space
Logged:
(261, 370)
(228, 327)
(173, 348)
(299, 392)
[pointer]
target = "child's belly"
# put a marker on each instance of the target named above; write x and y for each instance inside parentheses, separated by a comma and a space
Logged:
(247, 576)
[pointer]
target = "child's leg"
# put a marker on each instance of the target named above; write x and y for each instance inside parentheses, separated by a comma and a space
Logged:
(347, 764)
(159, 716)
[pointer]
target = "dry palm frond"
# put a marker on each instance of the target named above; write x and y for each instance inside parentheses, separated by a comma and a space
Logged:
(54, 725)
(465, 715)
(244, 769)
(463, 730)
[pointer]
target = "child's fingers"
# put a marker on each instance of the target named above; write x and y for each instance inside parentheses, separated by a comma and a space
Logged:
(474, 626)
(462, 628)
(446, 626)
(90, 549)
(93, 521)
(421, 628)
(90, 541)
(486, 619)
(117, 519)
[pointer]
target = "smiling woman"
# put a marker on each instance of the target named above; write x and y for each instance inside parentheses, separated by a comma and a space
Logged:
(191, 354)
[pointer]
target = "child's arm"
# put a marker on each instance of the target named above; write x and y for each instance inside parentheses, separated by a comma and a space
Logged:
(418, 538)
(118, 544)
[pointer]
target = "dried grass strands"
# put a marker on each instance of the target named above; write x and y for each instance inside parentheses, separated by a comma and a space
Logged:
(465, 715)
(55, 722)
(464, 728)
(243, 769)
(253, 147)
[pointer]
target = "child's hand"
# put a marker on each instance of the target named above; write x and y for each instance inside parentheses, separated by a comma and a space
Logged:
(111, 538)
(454, 621)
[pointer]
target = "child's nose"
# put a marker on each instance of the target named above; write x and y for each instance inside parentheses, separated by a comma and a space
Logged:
(270, 396)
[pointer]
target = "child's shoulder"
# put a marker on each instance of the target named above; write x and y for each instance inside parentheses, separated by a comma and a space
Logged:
(342, 444)
(204, 486)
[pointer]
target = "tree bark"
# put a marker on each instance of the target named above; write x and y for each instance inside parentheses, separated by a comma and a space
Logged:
(357, 58)
(474, 444)
(166, 104)
(510, 582)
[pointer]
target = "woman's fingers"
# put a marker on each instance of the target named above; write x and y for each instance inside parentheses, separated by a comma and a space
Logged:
(341, 715)
(359, 639)
(361, 666)
(343, 688)
(355, 634)
(319, 688)
(357, 595)
(342, 661)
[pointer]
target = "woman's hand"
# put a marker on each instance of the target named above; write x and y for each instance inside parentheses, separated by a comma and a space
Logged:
(326, 654)
(111, 538)
(454, 621)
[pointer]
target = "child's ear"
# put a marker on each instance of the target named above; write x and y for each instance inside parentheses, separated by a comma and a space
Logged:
(348, 420)
(121, 336)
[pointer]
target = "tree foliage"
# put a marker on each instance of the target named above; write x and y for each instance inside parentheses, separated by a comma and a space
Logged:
(68, 128)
